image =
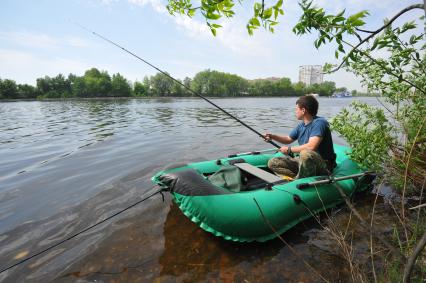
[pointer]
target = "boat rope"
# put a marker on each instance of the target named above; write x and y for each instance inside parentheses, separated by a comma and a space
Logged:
(83, 231)
(176, 81)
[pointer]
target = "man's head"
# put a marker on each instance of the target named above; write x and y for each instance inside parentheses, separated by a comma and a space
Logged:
(306, 105)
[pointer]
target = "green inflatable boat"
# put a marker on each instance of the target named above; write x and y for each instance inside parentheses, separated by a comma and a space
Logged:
(235, 197)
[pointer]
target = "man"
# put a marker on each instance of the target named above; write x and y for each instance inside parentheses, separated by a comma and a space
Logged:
(315, 149)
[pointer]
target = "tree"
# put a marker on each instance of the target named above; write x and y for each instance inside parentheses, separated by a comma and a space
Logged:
(215, 83)
(200, 82)
(97, 83)
(326, 88)
(161, 85)
(27, 91)
(299, 88)
(55, 87)
(120, 86)
(78, 86)
(177, 89)
(8, 89)
(285, 88)
(139, 89)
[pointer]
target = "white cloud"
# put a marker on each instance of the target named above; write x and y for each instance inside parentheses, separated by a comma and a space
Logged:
(232, 35)
(157, 5)
(40, 40)
(14, 62)
(196, 29)
(77, 41)
(24, 38)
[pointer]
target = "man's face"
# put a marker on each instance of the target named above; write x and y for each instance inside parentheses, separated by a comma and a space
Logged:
(300, 112)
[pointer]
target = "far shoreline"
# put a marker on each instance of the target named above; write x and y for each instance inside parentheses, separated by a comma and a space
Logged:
(157, 97)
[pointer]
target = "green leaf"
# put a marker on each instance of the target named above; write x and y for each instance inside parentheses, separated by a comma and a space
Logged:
(249, 30)
(191, 12)
(338, 19)
(355, 19)
(376, 41)
(267, 13)
(254, 22)
(340, 14)
(212, 16)
(358, 23)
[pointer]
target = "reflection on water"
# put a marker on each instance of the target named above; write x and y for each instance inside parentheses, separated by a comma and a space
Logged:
(67, 164)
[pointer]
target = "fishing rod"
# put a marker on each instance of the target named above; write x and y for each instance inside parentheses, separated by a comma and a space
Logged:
(176, 81)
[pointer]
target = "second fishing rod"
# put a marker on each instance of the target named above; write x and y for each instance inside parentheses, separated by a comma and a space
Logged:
(178, 82)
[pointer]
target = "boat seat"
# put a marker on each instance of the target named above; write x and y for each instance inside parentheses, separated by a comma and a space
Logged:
(259, 173)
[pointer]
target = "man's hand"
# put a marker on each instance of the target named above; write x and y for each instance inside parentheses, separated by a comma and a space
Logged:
(284, 149)
(267, 136)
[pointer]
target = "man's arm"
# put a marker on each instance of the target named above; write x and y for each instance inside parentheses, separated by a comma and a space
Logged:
(278, 138)
(312, 144)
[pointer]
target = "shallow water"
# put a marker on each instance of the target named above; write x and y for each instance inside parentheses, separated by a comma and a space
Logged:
(67, 164)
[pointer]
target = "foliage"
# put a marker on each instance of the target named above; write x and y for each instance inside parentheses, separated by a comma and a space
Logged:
(160, 85)
(56, 87)
(368, 132)
(8, 89)
(214, 83)
(120, 86)
(139, 89)
(213, 10)
(95, 83)
(324, 89)
(27, 91)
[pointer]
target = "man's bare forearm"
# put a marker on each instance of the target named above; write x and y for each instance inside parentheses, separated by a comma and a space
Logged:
(282, 139)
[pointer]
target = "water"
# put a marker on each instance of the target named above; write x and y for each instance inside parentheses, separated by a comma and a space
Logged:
(65, 165)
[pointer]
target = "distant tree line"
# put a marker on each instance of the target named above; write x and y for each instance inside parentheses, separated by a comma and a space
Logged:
(95, 83)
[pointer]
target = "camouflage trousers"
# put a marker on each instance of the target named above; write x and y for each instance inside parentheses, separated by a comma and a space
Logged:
(309, 163)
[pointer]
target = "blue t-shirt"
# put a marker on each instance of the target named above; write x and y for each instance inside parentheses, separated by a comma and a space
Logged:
(318, 127)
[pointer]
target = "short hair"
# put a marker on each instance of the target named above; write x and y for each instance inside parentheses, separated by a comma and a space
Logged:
(309, 103)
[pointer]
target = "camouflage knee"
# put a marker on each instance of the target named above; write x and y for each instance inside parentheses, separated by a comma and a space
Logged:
(284, 165)
(311, 164)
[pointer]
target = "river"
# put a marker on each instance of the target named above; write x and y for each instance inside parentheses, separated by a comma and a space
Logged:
(65, 165)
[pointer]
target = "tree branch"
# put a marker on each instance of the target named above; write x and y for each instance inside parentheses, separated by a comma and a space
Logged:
(363, 30)
(381, 65)
(412, 7)
(412, 259)
(418, 206)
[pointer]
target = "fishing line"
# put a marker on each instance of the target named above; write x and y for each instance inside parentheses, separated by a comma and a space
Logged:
(176, 81)
(81, 232)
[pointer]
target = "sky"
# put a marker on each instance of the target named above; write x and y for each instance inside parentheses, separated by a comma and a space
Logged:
(39, 38)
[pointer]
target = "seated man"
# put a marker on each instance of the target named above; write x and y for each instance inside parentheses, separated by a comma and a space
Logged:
(316, 154)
